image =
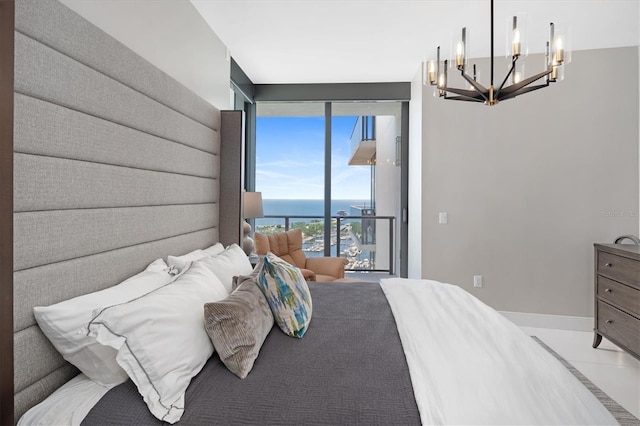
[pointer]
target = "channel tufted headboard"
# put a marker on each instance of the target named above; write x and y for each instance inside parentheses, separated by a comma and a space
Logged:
(115, 164)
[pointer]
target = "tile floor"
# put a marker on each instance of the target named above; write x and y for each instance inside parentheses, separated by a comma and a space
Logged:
(614, 371)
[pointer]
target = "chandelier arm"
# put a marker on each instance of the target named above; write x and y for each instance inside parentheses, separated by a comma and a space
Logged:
(470, 94)
(524, 83)
(513, 67)
(477, 86)
(523, 91)
(463, 99)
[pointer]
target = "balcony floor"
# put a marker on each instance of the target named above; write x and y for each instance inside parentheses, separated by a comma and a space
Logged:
(368, 276)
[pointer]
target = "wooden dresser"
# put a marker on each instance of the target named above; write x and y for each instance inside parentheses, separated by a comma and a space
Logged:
(617, 296)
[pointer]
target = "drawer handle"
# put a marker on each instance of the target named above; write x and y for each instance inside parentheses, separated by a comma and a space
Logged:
(607, 290)
(608, 265)
(609, 321)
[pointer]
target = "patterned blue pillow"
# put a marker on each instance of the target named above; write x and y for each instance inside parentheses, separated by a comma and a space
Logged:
(287, 293)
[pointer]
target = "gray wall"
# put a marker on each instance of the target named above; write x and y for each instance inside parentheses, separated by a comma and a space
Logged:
(531, 184)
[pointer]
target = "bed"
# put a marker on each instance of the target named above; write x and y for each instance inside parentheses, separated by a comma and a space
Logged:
(117, 166)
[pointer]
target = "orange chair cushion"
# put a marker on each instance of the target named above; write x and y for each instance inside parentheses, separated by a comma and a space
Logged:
(288, 247)
(285, 245)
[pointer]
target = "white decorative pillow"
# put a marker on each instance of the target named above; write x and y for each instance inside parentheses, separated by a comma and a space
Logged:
(230, 263)
(181, 262)
(287, 293)
(160, 338)
(215, 249)
(65, 323)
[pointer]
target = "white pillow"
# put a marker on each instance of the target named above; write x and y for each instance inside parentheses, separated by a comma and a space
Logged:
(160, 338)
(230, 263)
(215, 249)
(65, 323)
(181, 261)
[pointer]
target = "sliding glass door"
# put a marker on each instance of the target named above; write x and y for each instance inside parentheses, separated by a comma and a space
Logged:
(318, 166)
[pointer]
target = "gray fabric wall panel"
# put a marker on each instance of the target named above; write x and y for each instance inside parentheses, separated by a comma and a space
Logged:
(46, 183)
(37, 367)
(62, 29)
(45, 74)
(46, 237)
(47, 129)
(232, 176)
(38, 391)
(68, 279)
(116, 165)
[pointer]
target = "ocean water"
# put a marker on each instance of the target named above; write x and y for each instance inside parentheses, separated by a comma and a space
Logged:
(306, 208)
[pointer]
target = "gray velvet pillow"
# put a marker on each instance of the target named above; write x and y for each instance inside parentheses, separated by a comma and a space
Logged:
(238, 325)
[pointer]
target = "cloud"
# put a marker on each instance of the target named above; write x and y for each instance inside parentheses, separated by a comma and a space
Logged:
(291, 164)
(268, 174)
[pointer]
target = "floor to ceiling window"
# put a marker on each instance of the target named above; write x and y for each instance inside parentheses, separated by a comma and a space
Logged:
(291, 172)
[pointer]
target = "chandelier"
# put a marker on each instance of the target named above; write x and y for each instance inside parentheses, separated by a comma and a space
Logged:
(435, 72)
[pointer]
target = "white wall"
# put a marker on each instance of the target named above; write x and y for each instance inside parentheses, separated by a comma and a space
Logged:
(170, 34)
(531, 184)
(414, 223)
(387, 189)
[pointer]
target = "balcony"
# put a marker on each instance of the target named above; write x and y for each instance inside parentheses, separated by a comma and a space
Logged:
(366, 241)
(363, 142)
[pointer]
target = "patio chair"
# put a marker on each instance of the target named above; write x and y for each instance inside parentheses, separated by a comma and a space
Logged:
(288, 247)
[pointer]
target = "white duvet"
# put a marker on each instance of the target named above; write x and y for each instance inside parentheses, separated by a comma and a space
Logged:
(470, 365)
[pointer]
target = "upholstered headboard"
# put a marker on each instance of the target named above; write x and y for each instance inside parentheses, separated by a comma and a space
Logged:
(116, 164)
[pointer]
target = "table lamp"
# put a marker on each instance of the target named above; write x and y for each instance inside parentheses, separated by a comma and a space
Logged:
(252, 209)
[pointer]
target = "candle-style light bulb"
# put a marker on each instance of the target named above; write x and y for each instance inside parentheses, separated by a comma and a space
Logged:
(516, 45)
(516, 42)
(431, 72)
(459, 55)
(517, 77)
(559, 50)
(441, 81)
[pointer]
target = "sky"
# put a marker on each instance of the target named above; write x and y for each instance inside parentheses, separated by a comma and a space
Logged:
(290, 159)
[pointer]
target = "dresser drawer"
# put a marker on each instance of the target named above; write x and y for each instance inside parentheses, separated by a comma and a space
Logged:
(619, 326)
(625, 297)
(619, 268)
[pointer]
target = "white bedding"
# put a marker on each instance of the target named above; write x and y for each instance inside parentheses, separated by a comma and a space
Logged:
(68, 405)
(470, 365)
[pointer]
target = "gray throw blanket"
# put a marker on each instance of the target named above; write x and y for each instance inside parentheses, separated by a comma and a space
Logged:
(348, 369)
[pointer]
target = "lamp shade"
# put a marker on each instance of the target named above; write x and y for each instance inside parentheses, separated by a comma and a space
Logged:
(253, 205)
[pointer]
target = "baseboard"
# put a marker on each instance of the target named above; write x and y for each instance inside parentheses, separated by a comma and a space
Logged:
(562, 322)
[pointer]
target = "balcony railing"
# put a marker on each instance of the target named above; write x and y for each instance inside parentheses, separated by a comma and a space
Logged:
(367, 242)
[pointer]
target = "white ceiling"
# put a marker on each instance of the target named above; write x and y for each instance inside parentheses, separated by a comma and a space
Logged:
(342, 41)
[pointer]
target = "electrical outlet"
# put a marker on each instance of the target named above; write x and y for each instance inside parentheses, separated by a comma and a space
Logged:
(477, 280)
(443, 218)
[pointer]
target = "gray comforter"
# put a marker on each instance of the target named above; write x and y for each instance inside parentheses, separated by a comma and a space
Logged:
(348, 369)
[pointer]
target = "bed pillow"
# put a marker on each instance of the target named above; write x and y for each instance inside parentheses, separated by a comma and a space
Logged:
(215, 249)
(65, 323)
(287, 293)
(238, 325)
(231, 262)
(160, 338)
(181, 261)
